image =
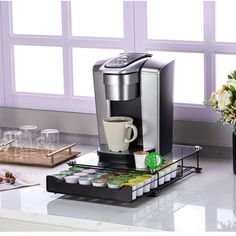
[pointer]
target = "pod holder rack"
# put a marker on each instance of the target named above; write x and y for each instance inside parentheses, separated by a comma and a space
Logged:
(177, 156)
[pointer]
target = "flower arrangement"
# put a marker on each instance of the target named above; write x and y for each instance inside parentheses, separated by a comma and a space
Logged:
(224, 100)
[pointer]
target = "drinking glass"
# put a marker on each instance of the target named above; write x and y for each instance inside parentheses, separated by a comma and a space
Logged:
(28, 138)
(16, 146)
(49, 140)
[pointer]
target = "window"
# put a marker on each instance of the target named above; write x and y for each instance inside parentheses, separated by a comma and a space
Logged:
(91, 18)
(187, 89)
(49, 48)
(34, 72)
(36, 17)
(225, 21)
(175, 20)
(224, 64)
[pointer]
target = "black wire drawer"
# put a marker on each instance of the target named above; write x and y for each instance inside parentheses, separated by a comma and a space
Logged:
(158, 180)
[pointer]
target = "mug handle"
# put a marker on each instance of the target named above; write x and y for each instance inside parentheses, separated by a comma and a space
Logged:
(135, 133)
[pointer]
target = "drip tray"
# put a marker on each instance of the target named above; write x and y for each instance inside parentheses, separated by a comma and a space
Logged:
(118, 158)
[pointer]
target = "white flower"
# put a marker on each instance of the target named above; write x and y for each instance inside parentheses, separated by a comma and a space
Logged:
(225, 99)
(231, 83)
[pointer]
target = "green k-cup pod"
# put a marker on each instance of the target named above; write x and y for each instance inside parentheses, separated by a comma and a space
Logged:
(154, 160)
(122, 178)
(59, 176)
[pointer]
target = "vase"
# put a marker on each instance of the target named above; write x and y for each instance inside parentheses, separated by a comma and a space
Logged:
(234, 151)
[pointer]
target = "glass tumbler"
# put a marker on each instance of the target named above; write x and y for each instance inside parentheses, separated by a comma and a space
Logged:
(15, 147)
(28, 138)
(49, 140)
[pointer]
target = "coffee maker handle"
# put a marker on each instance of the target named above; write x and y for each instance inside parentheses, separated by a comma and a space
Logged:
(135, 133)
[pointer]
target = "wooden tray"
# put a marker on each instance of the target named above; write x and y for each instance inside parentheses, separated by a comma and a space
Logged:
(37, 157)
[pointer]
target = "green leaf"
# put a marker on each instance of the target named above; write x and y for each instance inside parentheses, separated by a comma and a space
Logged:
(232, 75)
(231, 88)
(207, 102)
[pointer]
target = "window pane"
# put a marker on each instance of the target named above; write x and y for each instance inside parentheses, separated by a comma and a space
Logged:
(175, 19)
(225, 20)
(40, 17)
(83, 61)
(189, 76)
(224, 65)
(103, 18)
(38, 69)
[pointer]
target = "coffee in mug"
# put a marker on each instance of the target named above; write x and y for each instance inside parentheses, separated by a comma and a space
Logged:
(118, 132)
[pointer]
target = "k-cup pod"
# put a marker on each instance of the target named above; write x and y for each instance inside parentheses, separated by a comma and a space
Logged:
(59, 176)
(174, 170)
(66, 172)
(140, 159)
(99, 182)
(154, 161)
(161, 176)
(139, 186)
(89, 171)
(146, 183)
(114, 184)
(153, 183)
(81, 174)
(75, 169)
(85, 180)
(167, 174)
(71, 179)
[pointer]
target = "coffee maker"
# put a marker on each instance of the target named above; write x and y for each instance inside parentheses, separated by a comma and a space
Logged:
(139, 86)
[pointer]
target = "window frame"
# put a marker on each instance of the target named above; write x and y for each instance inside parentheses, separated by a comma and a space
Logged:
(2, 102)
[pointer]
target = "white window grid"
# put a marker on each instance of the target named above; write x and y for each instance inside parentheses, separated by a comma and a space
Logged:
(209, 47)
(67, 101)
(135, 39)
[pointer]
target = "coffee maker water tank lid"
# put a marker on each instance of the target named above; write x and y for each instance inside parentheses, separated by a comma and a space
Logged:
(125, 59)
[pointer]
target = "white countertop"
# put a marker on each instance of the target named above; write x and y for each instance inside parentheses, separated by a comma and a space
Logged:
(193, 204)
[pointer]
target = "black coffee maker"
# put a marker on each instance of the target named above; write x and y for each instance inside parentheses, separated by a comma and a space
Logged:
(139, 86)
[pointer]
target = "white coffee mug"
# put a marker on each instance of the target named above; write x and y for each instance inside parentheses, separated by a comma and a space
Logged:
(118, 132)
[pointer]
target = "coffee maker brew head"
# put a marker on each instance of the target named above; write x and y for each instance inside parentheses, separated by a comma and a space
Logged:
(121, 76)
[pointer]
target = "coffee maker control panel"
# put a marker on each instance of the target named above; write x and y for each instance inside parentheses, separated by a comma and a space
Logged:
(125, 59)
